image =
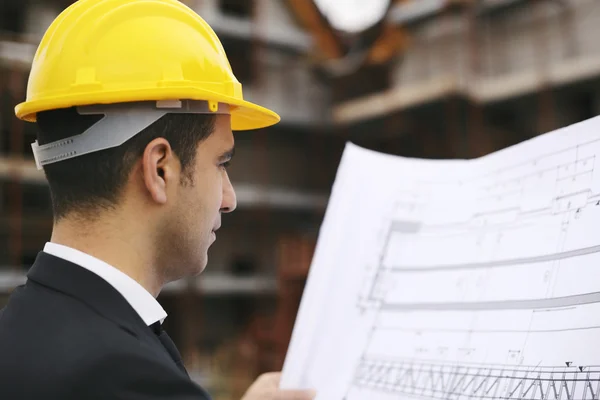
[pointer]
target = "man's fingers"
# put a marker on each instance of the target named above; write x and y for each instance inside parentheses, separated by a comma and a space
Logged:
(266, 387)
(296, 395)
(272, 376)
(269, 379)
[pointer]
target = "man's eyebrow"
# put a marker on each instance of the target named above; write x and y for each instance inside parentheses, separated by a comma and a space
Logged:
(228, 155)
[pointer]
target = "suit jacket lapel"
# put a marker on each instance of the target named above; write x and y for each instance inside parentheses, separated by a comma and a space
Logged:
(76, 281)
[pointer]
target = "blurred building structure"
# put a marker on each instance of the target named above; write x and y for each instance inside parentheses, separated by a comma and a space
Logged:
(479, 75)
(426, 78)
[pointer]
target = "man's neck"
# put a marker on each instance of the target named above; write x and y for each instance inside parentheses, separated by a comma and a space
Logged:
(115, 245)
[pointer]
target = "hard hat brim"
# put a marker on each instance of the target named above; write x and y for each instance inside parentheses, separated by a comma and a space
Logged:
(245, 115)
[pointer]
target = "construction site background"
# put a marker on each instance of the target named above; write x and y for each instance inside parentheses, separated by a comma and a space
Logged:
(420, 78)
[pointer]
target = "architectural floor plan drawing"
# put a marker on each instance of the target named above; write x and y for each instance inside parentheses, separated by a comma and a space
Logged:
(456, 279)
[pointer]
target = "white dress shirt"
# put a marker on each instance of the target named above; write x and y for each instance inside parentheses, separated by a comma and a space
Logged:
(139, 298)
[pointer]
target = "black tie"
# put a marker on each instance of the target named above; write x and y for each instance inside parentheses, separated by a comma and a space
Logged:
(168, 344)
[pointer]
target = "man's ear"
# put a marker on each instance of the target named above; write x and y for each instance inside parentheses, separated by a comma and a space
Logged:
(160, 168)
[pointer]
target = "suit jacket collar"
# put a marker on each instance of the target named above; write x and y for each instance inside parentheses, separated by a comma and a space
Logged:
(75, 281)
(148, 308)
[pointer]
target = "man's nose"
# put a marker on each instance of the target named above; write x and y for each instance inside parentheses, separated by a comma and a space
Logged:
(229, 198)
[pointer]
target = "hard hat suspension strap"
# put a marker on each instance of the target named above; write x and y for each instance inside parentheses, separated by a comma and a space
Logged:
(121, 122)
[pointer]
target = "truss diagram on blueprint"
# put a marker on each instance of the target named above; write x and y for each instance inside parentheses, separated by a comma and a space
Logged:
(461, 279)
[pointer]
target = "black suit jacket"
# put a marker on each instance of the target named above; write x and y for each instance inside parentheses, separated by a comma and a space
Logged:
(67, 334)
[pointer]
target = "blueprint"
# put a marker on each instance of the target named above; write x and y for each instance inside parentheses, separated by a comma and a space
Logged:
(457, 279)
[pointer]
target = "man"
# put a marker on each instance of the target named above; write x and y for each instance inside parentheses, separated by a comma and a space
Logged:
(135, 102)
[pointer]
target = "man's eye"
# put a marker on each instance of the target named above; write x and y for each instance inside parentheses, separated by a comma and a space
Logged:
(226, 164)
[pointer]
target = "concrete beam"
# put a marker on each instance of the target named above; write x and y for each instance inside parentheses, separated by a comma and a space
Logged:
(483, 90)
(413, 10)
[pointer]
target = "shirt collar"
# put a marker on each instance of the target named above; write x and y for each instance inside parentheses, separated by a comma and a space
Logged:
(148, 308)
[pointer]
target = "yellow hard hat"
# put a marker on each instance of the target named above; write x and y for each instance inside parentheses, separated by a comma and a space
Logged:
(120, 51)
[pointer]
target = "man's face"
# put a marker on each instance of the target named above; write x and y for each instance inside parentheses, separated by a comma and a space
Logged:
(196, 215)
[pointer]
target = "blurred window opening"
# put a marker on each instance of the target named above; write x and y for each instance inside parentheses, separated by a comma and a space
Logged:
(35, 198)
(244, 265)
(12, 15)
(237, 8)
(368, 80)
(240, 56)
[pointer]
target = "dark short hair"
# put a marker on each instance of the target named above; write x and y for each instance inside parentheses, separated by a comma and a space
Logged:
(94, 182)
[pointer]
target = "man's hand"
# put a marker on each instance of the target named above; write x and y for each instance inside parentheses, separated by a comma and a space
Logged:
(266, 387)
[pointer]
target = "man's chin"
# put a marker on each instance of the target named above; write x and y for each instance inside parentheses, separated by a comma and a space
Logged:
(200, 267)
(198, 271)
(191, 270)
